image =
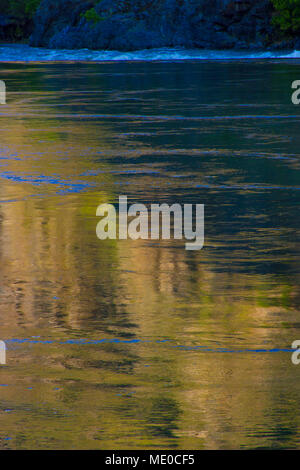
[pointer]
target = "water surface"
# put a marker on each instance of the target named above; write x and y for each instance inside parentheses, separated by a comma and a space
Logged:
(140, 344)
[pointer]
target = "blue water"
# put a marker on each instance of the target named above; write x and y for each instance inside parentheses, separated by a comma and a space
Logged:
(24, 53)
(81, 342)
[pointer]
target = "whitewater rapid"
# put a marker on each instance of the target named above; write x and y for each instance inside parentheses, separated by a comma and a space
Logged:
(25, 53)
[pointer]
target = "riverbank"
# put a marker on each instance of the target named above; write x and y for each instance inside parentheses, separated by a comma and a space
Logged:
(138, 25)
(111, 24)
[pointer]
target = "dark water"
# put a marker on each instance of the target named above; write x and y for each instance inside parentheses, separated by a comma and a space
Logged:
(139, 344)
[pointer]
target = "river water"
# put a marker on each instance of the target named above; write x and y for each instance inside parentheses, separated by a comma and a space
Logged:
(141, 344)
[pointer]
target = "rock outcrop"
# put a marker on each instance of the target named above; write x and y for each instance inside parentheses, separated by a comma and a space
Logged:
(7, 27)
(140, 24)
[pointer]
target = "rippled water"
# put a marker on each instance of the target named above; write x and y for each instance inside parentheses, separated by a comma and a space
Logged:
(139, 344)
(25, 53)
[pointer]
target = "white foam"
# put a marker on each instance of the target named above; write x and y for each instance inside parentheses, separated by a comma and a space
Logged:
(24, 53)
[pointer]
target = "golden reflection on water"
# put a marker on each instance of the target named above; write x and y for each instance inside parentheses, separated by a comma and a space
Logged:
(155, 388)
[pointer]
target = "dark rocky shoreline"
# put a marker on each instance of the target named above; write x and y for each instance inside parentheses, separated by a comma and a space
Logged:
(128, 25)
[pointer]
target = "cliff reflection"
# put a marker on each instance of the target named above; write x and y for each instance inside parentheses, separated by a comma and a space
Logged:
(135, 344)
